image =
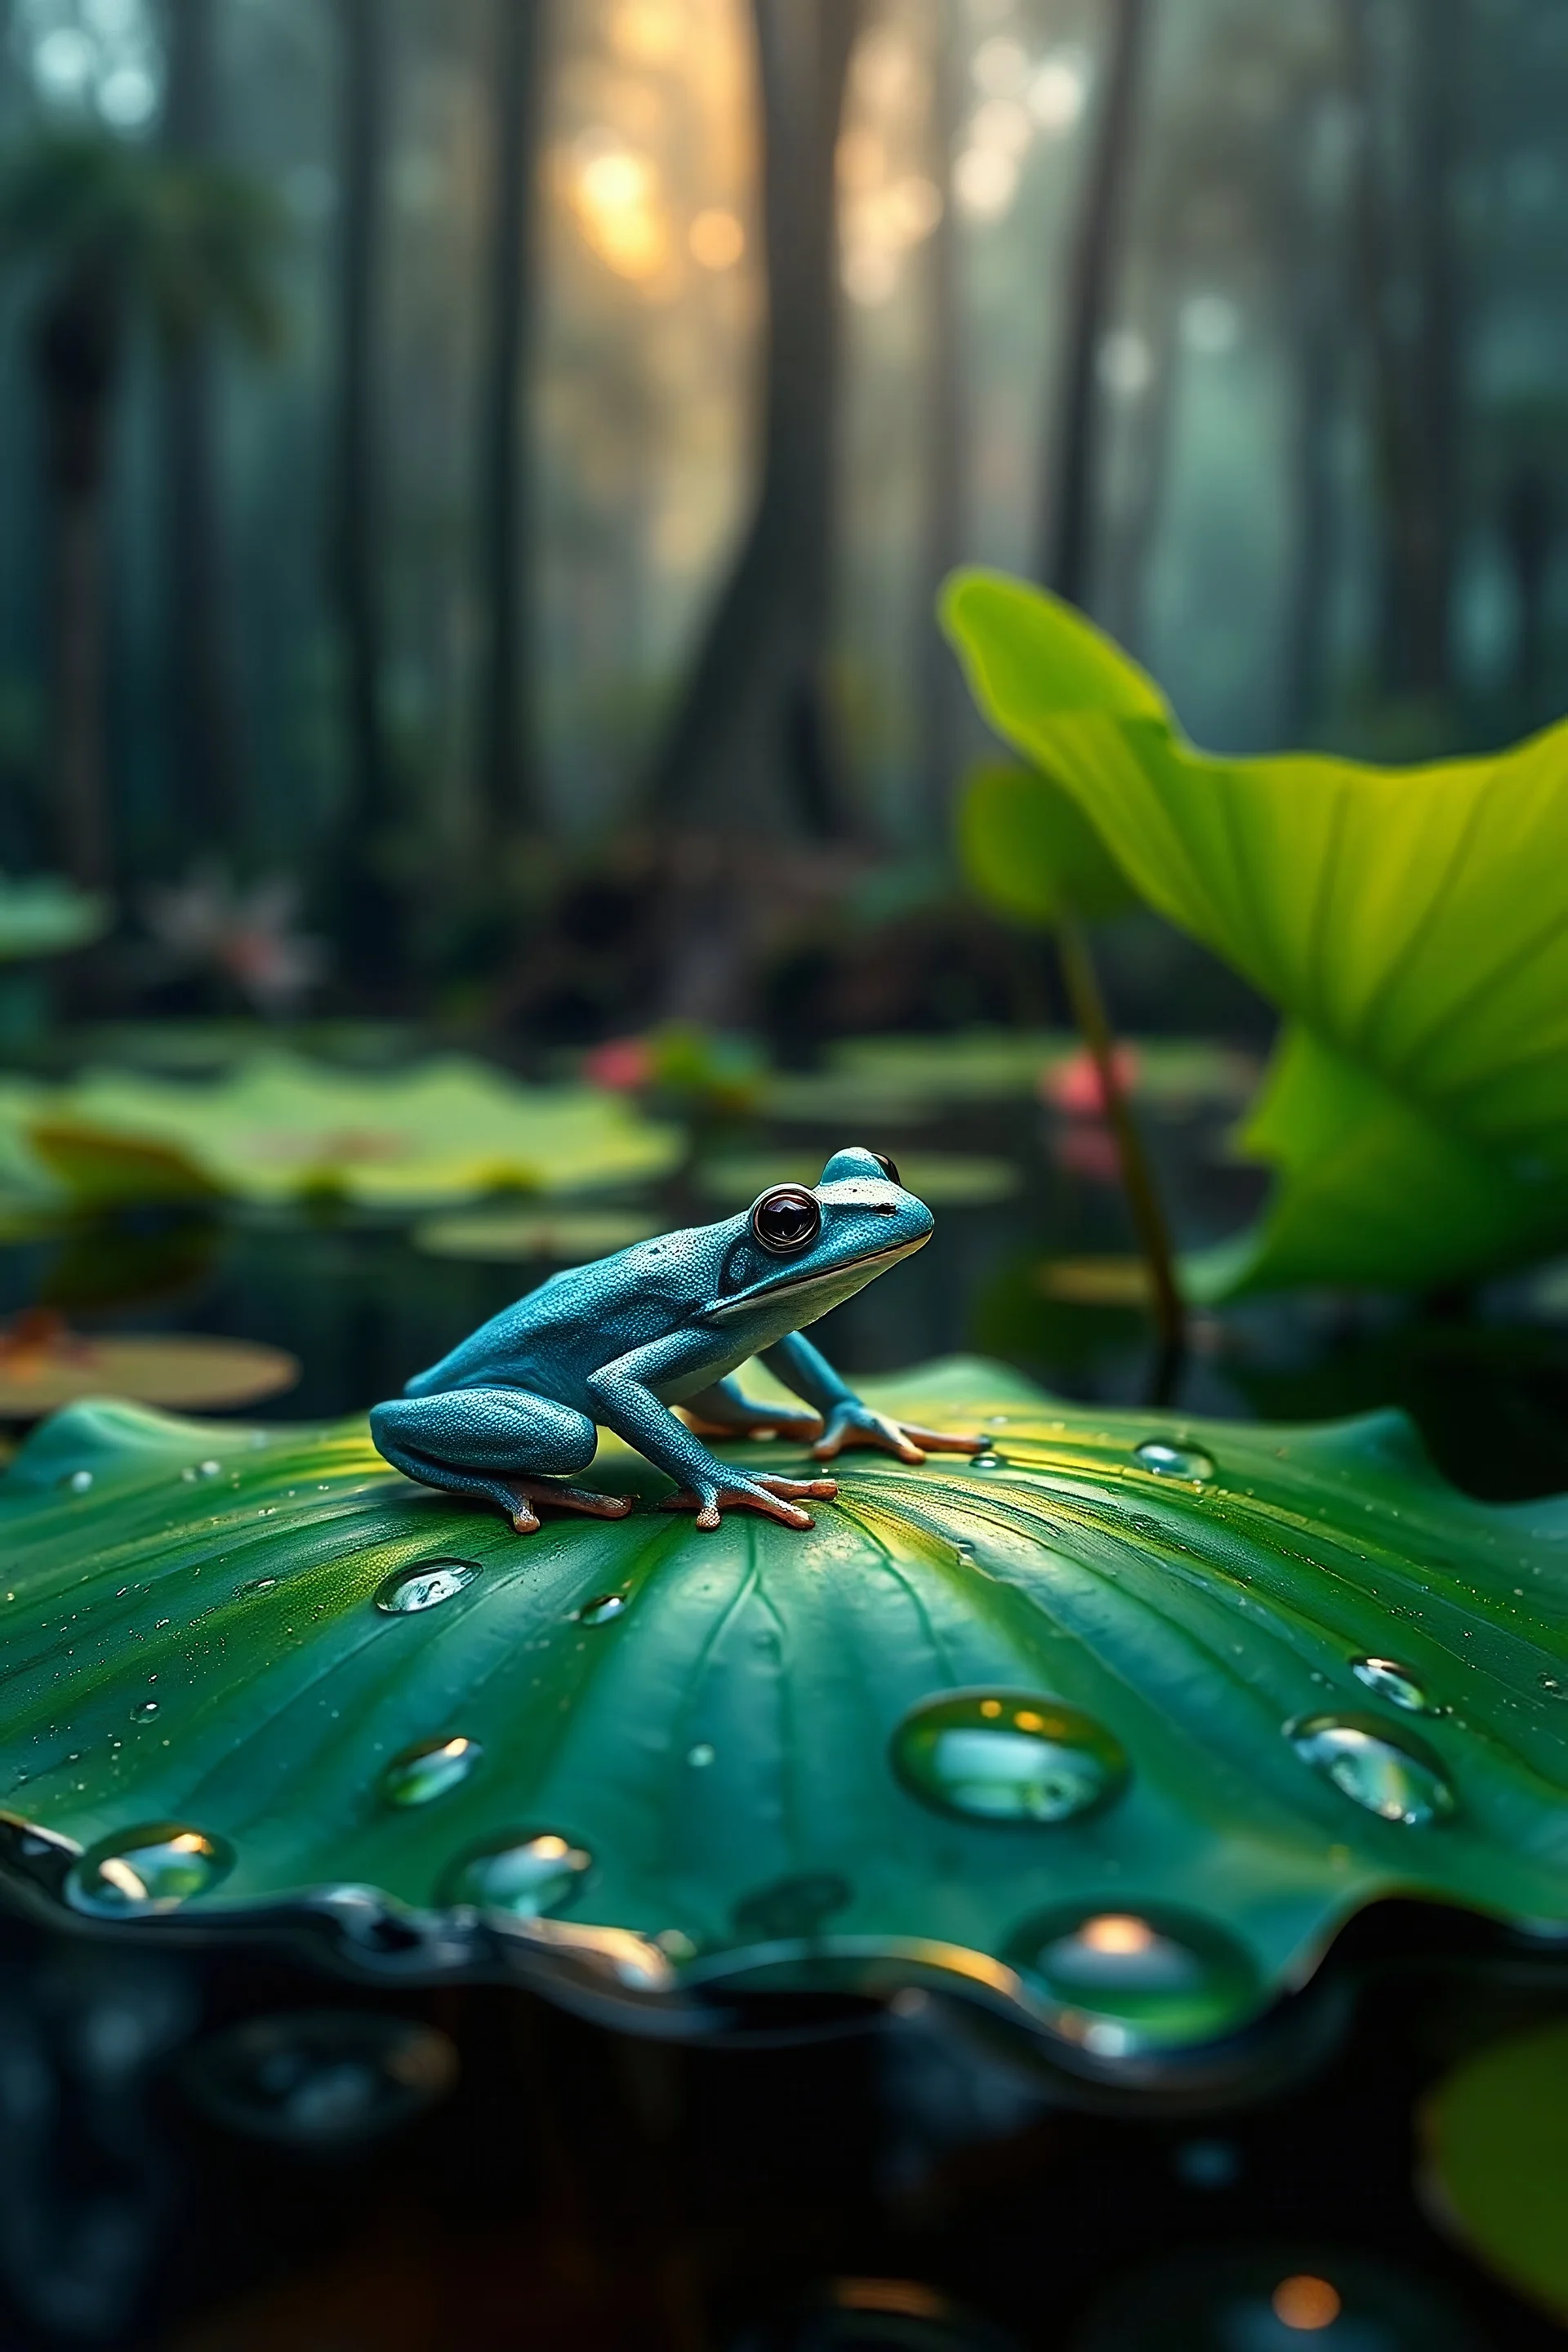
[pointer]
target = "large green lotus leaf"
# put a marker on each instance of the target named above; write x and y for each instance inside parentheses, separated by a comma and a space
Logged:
(279, 1128)
(1109, 1730)
(1412, 922)
(1029, 847)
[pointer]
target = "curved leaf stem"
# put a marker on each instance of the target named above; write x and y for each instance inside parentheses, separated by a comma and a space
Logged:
(1149, 1220)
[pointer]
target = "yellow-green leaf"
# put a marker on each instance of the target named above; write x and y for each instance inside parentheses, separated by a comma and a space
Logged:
(278, 1128)
(1411, 923)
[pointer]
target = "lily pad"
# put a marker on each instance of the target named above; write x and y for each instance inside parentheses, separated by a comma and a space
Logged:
(1496, 2136)
(280, 1129)
(1109, 1730)
(568, 1235)
(45, 1365)
(1411, 924)
(44, 916)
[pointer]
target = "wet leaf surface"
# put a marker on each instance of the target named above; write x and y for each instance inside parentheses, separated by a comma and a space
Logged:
(1109, 1729)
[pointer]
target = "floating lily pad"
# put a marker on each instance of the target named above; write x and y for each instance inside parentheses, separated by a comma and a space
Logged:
(280, 1129)
(568, 1235)
(1495, 2134)
(45, 916)
(1109, 1730)
(59, 1367)
(946, 1179)
(967, 1064)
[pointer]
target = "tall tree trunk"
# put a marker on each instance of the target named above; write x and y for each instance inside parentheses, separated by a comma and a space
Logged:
(1413, 386)
(1436, 67)
(370, 916)
(205, 766)
(76, 356)
(940, 687)
(750, 746)
(1071, 473)
(506, 735)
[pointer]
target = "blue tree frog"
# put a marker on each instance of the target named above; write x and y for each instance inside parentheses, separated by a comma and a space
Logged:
(509, 1415)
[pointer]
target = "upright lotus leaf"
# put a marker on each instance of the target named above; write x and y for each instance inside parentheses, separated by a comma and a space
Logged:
(1109, 1730)
(279, 1128)
(1029, 847)
(1412, 924)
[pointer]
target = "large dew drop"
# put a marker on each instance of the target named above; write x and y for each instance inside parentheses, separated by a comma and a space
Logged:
(1394, 1683)
(1008, 1755)
(425, 1585)
(1396, 1780)
(1167, 1461)
(1120, 1980)
(148, 1870)
(423, 1773)
(602, 1608)
(528, 1876)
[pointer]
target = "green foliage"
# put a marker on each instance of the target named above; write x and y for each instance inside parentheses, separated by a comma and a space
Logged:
(1411, 924)
(1028, 847)
(1495, 2133)
(1109, 1731)
(44, 916)
(278, 1128)
(186, 244)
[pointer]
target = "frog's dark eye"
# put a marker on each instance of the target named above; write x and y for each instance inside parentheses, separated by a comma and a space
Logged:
(887, 1167)
(786, 1218)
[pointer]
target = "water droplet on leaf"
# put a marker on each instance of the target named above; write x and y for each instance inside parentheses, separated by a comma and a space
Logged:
(1160, 1974)
(700, 1756)
(1393, 1682)
(145, 1871)
(425, 1585)
(600, 1611)
(1168, 1461)
(528, 1876)
(144, 1710)
(1007, 1756)
(77, 1482)
(1395, 1780)
(425, 1772)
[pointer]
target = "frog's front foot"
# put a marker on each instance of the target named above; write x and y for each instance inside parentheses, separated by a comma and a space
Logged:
(853, 1424)
(773, 1497)
(550, 1491)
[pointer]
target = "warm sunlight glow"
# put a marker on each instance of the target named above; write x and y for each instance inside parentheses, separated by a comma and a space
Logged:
(647, 32)
(615, 197)
(1003, 124)
(984, 182)
(1001, 67)
(1306, 2302)
(1117, 1934)
(717, 239)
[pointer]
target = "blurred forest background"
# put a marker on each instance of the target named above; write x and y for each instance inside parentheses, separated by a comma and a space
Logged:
(475, 473)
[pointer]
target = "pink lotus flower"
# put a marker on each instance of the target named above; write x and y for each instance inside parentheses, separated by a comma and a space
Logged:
(1074, 1086)
(625, 1064)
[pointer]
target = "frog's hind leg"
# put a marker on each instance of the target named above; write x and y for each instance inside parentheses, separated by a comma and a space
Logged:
(505, 1445)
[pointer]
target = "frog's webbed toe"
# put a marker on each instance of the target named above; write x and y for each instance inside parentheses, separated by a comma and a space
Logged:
(774, 1497)
(556, 1497)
